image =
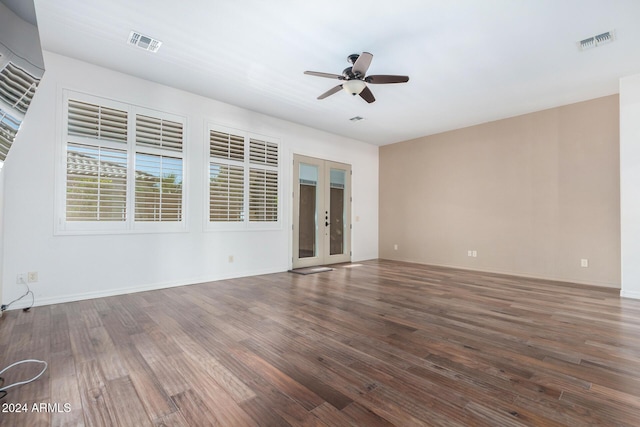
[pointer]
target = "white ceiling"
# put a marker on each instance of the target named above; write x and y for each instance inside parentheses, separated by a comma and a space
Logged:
(470, 61)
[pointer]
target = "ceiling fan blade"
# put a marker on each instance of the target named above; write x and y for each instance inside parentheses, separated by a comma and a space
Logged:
(362, 64)
(383, 79)
(330, 92)
(327, 75)
(367, 95)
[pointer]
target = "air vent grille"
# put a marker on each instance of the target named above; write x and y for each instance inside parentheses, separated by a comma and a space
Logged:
(144, 42)
(597, 40)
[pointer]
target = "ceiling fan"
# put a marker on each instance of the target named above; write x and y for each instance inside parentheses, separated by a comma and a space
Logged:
(354, 79)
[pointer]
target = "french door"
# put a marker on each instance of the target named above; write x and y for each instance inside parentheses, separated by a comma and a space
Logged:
(321, 212)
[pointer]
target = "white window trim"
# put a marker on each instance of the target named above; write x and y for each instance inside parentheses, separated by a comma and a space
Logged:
(129, 226)
(246, 224)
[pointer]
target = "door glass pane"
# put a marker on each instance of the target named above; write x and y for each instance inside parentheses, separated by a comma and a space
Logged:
(338, 179)
(307, 239)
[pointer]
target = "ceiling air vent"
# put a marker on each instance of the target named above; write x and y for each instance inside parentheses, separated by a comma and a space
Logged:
(144, 42)
(597, 40)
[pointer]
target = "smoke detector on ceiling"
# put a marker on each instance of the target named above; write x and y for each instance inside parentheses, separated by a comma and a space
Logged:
(597, 40)
(144, 42)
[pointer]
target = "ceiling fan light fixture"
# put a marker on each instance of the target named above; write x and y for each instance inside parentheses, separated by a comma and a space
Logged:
(354, 87)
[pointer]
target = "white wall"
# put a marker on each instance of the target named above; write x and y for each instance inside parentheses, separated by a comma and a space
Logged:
(630, 185)
(83, 266)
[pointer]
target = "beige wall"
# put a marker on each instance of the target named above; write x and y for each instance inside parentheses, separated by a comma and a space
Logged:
(533, 195)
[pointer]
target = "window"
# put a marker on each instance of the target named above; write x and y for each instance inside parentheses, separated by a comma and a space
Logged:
(158, 191)
(17, 87)
(123, 167)
(9, 126)
(96, 163)
(263, 181)
(243, 179)
(226, 177)
(96, 183)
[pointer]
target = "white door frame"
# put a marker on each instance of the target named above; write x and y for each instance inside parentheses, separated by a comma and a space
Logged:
(324, 223)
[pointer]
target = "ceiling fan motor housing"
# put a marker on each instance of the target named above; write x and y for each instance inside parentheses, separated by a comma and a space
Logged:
(348, 73)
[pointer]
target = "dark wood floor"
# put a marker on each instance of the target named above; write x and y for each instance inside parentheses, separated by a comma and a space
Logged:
(380, 344)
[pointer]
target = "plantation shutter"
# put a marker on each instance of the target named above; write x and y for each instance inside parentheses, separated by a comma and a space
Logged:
(17, 87)
(226, 177)
(159, 169)
(96, 183)
(97, 122)
(263, 181)
(263, 152)
(96, 163)
(243, 179)
(226, 193)
(158, 133)
(226, 146)
(263, 195)
(124, 167)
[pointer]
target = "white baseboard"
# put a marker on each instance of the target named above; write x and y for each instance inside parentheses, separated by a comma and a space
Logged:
(629, 294)
(516, 273)
(26, 302)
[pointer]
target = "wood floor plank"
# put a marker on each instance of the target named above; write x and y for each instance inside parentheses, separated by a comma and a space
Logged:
(198, 353)
(287, 385)
(93, 394)
(113, 366)
(126, 406)
(494, 416)
(263, 413)
(154, 399)
(332, 416)
(215, 398)
(65, 391)
(383, 343)
(172, 420)
(194, 411)
(300, 375)
(361, 416)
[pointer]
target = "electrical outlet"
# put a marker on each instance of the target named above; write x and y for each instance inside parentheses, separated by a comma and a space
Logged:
(230, 258)
(32, 276)
(474, 254)
(21, 279)
(584, 262)
(395, 247)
